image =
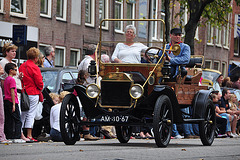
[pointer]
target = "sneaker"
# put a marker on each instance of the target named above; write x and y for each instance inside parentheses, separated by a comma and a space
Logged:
(89, 137)
(234, 135)
(5, 142)
(178, 137)
(19, 141)
(221, 135)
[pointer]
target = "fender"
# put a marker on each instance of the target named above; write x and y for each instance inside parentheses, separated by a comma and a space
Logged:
(88, 104)
(199, 103)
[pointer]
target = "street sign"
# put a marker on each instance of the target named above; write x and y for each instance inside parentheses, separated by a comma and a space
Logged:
(20, 35)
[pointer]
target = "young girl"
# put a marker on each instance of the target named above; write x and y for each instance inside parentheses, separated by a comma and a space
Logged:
(12, 114)
(2, 135)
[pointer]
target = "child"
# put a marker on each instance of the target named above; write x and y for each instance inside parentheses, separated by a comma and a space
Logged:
(13, 122)
(55, 116)
(55, 98)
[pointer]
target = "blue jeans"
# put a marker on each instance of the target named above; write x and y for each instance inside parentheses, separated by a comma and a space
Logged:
(189, 129)
(56, 135)
(174, 130)
(225, 115)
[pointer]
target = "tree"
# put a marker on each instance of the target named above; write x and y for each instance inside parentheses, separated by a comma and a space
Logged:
(213, 11)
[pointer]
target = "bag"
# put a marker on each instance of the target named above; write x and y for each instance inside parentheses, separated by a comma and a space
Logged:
(25, 103)
(38, 115)
(40, 97)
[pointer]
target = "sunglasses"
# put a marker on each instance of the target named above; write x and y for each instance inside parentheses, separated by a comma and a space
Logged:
(14, 69)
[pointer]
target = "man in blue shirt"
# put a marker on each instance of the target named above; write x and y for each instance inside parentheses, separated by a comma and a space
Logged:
(50, 54)
(183, 57)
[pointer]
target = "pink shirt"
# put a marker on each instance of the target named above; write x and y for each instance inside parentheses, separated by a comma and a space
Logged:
(8, 84)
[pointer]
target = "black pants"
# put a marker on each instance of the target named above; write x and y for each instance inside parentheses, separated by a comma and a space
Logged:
(13, 124)
(221, 124)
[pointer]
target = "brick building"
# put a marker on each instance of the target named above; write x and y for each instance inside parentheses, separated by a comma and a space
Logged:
(71, 25)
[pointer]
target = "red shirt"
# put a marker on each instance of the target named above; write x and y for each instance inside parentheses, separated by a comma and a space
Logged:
(32, 77)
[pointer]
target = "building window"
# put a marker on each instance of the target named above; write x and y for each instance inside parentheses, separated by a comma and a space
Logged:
(45, 8)
(226, 34)
(18, 8)
(154, 16)
(74, 57)
(103, 12)
(89, 12)
(41, 48)
(59, 56)
(163, 18)
(218, 37)
(118, 15)
(209, 34)
(237, 35)
(130, 12)
(1, 5)
(224, 70)
(61, 12)
(216, 65)
(208, 64)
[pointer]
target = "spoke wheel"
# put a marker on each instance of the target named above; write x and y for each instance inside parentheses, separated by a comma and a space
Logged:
(69, 119)
(123, 133)
(163, 121)
(208, 126)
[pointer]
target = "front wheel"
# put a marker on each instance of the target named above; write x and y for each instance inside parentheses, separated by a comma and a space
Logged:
(69, 119)
(123, 133)
(208, 126)
(163, 121)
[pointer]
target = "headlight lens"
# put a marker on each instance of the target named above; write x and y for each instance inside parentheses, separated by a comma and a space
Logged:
(92, 91)
(136, 91)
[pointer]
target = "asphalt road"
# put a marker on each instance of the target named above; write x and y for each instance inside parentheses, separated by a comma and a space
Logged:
(184, 149)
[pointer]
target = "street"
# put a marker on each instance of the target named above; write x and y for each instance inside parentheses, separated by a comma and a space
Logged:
(111, 149)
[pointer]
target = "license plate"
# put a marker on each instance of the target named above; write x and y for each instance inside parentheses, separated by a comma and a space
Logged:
(111, 118)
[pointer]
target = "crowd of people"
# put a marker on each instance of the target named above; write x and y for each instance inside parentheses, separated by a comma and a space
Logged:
(16, 126)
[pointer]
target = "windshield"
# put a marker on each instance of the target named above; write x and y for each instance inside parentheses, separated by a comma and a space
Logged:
(49, 79)
(210, 75)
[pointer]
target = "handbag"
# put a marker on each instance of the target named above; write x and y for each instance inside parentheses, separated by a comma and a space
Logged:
(25, 103)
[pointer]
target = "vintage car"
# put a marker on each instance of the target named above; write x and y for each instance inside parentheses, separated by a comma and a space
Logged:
(139, 95)
(209, 77)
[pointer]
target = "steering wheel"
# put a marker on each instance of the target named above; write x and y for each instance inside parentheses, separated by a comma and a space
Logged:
(151, 57)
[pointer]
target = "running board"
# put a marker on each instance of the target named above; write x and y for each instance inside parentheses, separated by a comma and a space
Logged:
(193, 120)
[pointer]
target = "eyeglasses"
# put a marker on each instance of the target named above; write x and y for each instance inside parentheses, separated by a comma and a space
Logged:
(14, 69)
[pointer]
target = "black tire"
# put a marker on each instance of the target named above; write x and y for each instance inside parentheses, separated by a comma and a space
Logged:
(208, 126)
(69, 119)
(163, 121)
(123, 133)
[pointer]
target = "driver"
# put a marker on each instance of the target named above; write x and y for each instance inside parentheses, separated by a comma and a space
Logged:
(183, 57)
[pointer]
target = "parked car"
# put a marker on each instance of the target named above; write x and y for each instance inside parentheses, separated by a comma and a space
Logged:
(59, 79)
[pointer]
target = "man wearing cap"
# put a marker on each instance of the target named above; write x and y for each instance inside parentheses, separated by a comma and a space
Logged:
(183, 57)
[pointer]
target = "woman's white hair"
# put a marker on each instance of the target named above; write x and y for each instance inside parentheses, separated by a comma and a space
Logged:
(130, 27)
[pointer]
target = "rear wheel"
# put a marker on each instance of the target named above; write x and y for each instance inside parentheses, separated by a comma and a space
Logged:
(162, 121)
(69, 119)
(208, 126)
(123, 133)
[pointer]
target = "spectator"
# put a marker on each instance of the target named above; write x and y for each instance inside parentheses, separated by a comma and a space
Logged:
(233, 104)
(218, 83)
(55, 132)
(13, 122)
(236, 83)
(9, 53)
(224, 108)
(49, 55)
(221, 122)
(40, 60)
(82, 80)
(2, 135)
(33, 83)
(175, 132)
(227, 82)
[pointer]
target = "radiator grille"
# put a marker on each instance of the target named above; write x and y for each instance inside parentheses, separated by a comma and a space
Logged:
(115, 93)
